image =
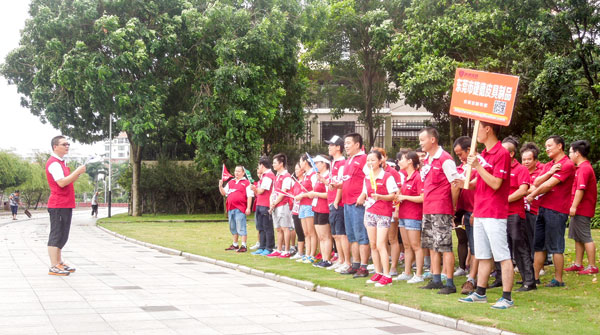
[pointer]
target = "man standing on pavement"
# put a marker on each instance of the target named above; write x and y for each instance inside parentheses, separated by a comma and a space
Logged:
(490, 212)
(60, 204)
(555, 184)
(439, 203)
(15, 200)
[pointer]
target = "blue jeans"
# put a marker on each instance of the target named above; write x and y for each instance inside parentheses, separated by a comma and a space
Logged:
(354, 217)
(336, 220)
(237, 222)
(469, 230)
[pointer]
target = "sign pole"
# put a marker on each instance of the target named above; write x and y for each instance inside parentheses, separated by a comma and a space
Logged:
(471, 152)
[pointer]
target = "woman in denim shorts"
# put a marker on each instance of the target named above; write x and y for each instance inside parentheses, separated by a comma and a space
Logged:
(305, 212)
(410, 216)
(379, 191)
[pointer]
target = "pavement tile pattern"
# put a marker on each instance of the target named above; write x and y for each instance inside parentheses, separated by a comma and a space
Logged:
(121, 288)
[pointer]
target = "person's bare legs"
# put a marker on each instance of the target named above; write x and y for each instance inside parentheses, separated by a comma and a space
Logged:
(307, 237)
(590, 250)
(372, 232)
(280, 239)
(381, 245)
(324, 234)
(345, 249)
(364, 253)
(55, 255)
(394, 245)
(355, 251)
(409, 255)
(508, 275)
(235, 238)
(538, 263)
(449, 264)
(414, 240)
(483, 273)
(436, 262)
(286, 238)
(559, 263)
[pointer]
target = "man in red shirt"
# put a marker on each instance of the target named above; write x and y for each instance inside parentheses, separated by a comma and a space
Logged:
(529, 159)
(238, 192)
(584, 195)
(554, 183)
(517, 236)
(490, 212)
(439, 203)
(60, 204)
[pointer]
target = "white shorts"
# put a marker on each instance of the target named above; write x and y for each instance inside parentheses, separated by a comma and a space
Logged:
(491, 239)
(282, 217)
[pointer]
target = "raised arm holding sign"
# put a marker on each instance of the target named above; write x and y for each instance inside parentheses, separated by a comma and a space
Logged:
(483, 96)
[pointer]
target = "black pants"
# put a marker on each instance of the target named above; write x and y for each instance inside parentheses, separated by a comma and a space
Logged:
(60, 225)
(94, 209)
(264, 224)
(530, 230)
(520, 248)
(298, 227)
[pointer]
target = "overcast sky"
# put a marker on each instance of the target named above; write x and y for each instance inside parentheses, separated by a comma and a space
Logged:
(20, 130)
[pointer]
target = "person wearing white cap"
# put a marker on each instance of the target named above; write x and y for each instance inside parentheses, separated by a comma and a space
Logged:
(336, 204)
(321, 209)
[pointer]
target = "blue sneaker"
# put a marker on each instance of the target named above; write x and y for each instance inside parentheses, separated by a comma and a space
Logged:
(427, 275)
(503, 304)
(474, 297)
(257, 252)
(265, 252)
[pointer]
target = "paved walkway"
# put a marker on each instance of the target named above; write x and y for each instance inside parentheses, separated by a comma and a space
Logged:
(122, 288)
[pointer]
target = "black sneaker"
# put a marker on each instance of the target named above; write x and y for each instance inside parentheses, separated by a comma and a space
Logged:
(526, 288)
(496, 283)
(323, 264)
(447, 290)
(432, 286)
(538, 282)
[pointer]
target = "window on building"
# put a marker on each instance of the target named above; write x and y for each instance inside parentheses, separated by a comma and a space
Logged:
(340, 128)
(121, 155)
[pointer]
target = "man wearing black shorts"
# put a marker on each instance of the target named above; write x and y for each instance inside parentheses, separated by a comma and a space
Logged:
(60, 203)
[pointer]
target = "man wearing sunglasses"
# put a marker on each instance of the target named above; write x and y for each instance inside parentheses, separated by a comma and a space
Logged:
(60, 203)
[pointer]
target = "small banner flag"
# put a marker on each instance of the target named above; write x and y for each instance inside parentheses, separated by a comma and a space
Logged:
(248, 175)
(312, 163)
(225, 175)
(372, 179)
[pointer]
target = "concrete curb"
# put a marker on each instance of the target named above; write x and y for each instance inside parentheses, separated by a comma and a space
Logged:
(440, 320)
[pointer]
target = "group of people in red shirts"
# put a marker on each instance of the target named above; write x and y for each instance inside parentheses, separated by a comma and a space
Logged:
(363, 206)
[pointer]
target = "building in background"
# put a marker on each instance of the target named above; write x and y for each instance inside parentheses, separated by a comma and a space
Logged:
(120, 148)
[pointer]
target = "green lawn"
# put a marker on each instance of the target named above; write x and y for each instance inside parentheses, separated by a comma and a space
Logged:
(545, 311)
(165, 217)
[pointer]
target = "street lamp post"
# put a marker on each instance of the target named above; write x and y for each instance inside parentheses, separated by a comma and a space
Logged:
(109, 163)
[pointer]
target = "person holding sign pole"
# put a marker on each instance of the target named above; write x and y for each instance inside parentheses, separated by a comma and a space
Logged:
(490, 212)
(439, 203)
(555, 184)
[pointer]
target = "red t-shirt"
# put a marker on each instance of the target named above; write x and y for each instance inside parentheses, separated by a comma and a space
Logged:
(265, 198)
(555, 198)
(296, 189)
(237, 194)
(306, 187)
(412, 186)
(466, 199)
(437, 189)
(490, 203)
(381, 207)
(535, 204)
(319, 205)
(278, 188)
(585, 179)
(335, 179)
(519, 175)
(353, 178)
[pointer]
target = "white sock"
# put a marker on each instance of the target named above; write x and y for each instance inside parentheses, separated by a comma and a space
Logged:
(235, 244)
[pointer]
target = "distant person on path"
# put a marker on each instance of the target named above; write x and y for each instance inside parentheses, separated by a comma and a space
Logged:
(238, 204)
(60, 204)
(15, 201)
(95, 205)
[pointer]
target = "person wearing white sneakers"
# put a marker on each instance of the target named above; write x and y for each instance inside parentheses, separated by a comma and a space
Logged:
(305, 212)
(410, 217)
(379, 191)
(297, 189)
(321, 210)
(280, 207)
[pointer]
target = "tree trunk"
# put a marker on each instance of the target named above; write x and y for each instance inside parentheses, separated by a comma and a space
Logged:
(135, 156)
